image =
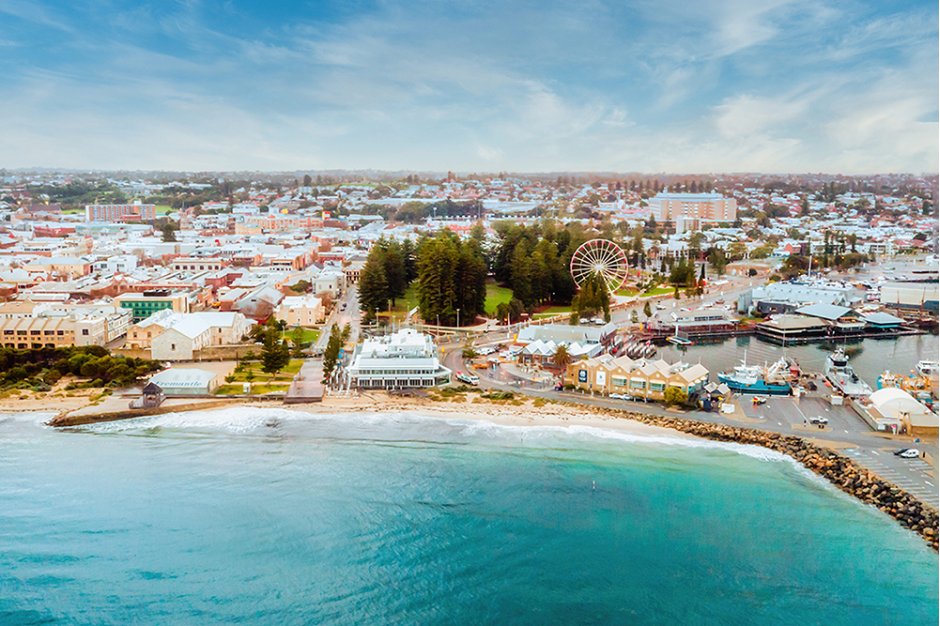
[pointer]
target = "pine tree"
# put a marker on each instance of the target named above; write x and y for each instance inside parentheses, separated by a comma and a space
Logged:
(373, 286)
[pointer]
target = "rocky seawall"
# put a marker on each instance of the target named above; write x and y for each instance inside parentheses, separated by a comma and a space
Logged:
(838, 469)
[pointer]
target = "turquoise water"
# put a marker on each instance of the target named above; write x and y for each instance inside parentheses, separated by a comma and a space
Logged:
(273, 517)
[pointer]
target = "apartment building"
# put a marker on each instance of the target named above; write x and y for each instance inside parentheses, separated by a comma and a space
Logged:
(691, 209)
(143, 305)
(135, 212)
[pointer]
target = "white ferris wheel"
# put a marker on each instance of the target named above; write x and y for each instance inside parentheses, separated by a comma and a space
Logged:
(602, 257)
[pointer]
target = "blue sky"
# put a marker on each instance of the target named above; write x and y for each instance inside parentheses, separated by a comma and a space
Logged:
(636, 85)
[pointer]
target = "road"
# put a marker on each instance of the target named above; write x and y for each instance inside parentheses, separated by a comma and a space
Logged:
(345, 311)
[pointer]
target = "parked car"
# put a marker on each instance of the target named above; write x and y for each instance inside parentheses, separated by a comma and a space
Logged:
(616, 396)
(819, 420)
(910, 453)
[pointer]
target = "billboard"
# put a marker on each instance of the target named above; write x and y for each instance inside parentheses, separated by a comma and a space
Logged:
(582, 376)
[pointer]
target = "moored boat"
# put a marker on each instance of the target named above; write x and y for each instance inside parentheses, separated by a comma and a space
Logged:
(843, 377)
(758, 379)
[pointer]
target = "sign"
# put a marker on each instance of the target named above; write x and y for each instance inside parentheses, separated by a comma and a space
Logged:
(582, 376)
(601, 378)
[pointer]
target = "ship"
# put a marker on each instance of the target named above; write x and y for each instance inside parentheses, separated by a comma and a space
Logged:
(757, 379)
(843, 377)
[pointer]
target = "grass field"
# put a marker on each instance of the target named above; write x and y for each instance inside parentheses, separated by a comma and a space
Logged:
(256, 389)
(286, 374)
(310, 335)
(496, 295)
(658, 291)
(163, 209)
(627, 291)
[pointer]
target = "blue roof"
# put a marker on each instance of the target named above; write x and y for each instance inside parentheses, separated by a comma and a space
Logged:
(829, 312)
(881, 319)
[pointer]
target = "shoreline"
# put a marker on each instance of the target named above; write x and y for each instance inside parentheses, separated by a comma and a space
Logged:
(828, 463)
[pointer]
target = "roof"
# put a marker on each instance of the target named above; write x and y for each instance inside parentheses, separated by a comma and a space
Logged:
(792, 322)
(183, 377)
(893, 402)
(882, 318)
(564, 333)
(829, 312)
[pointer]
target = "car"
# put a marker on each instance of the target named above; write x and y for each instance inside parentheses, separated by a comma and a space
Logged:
(822, 421)
(758, 400)
(910, 453)
(584, 320)
(616, 396)
(660, 307)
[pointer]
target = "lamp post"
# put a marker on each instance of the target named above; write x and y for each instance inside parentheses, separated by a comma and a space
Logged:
(458, 318)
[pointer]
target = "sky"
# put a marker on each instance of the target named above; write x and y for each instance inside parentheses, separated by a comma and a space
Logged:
(472, 86)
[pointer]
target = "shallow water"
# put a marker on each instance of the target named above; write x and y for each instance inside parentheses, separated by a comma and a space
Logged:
(271, 516)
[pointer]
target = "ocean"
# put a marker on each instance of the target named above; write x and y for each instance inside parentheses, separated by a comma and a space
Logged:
(269, 516)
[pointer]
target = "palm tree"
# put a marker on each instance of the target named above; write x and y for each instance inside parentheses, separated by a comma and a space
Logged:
(561, 357)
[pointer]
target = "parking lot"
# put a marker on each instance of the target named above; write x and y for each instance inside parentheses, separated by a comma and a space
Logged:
(799, 413)
(913, 475)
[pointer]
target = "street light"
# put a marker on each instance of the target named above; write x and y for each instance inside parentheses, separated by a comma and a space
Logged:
(458, 318)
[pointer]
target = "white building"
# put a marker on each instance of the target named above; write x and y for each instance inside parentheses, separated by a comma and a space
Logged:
(397, 361)
(300, 311)
(179, 336)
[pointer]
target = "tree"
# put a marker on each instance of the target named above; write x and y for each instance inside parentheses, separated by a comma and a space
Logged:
(634, 317)
(169, 233)
(647, 309)
(331, 353)
(301, 286)
(274, 352)
(307, 180)
(561, 358)
(675, 395)
(451, 276)
(593, 299)
(718, 260)
(373, 287)
(297, 341)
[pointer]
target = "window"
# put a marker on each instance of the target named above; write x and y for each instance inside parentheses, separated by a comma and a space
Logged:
(84, 331)
(172, 346)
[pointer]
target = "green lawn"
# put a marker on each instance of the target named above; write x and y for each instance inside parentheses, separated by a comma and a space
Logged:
(163, 209)
(285, 374)
(309, 336)
(627, 291)
(658, 291)
(256, 389)
(496, 295)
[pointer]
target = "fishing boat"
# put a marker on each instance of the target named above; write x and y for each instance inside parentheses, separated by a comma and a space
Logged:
(842, 375)
(758, 379)
(926, 368)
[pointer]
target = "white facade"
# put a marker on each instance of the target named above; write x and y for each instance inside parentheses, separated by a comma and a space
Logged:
(398, 361)
(300, 311)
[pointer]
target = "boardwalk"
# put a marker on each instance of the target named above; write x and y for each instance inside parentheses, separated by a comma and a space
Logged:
(307, 385)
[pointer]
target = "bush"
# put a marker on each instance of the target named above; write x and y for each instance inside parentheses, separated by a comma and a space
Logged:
(674, 395)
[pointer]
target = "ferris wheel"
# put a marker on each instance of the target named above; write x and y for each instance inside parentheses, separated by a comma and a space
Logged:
(602, 257)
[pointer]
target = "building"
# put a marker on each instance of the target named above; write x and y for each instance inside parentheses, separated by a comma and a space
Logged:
(789, 296)
(143, 305)
(690, 210)
(196, 264)
(401, 360)
(135, 212)
(565, 334)
(895, 409)
(300, 311)
(639, 378)
(692, 323)
(788, 328)
(58, 325)
(174, 336)
(180, 382)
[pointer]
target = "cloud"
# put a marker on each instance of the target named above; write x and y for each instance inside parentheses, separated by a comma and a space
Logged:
(665, 85)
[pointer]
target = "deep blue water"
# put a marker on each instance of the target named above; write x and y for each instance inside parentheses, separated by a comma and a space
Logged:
(271, 517)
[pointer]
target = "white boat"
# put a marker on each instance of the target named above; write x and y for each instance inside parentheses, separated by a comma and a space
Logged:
(843, 377)
(926, 368)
